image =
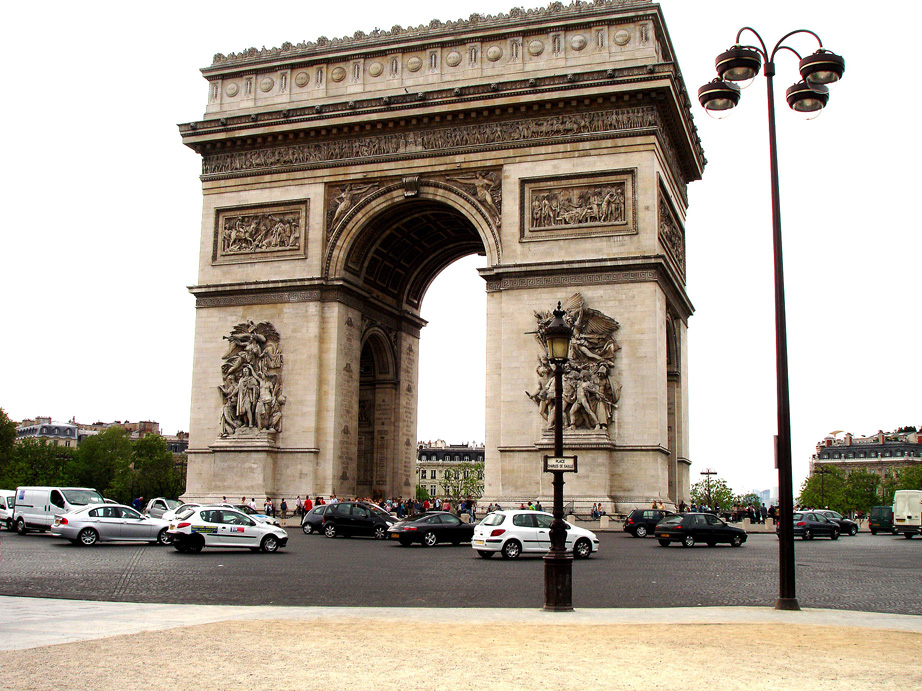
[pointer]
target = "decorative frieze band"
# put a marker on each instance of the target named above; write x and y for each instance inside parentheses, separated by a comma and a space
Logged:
(435, 141)
(572, 279)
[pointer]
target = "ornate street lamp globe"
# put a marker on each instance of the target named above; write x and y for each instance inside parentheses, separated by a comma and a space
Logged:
(808, 100)
(558, 334)
(718, 97)
(738, 64)
(822, 68)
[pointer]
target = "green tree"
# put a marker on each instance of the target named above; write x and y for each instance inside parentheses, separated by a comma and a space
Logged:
(720, 493)
(861, 492)
(422, 494)
(7, 441)
(101, 458)
(463, 481)
(38, 462)
(825, 487)
(748, 498)
(157, 475)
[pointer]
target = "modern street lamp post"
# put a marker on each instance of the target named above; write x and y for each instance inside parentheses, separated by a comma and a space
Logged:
(741, 64)
(558, 563)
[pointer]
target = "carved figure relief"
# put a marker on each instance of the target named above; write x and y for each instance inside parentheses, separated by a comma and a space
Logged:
(260, 232)
(671, 234)
(345, 197)
(252, 389)
(600, 204)
(590, 393)
(485, 187)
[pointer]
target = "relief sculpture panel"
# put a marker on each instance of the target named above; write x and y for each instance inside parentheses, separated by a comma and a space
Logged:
(255, 233)
(671, 234)
(558, 207)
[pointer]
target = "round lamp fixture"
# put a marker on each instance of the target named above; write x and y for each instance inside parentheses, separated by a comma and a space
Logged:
(739, 65)
(808, 100)
(718, 97)
(823, 67)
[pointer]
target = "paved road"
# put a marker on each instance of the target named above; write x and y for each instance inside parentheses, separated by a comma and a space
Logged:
(866, 573)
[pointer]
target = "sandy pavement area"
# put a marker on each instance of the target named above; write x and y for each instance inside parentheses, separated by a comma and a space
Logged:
(281, 655)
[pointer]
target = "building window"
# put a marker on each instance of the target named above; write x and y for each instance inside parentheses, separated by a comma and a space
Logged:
(432, 490)
(423, 457)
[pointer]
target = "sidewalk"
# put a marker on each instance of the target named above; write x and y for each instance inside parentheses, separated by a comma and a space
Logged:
(53, 644)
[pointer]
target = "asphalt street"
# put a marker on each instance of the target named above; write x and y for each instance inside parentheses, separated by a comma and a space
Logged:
(863, 573)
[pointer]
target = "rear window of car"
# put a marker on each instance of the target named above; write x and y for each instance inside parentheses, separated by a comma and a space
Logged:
(185, 513)
(798, 517)
(671, 520)
(494, 519)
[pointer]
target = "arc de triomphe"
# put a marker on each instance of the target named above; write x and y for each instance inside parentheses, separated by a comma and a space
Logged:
(341, 176)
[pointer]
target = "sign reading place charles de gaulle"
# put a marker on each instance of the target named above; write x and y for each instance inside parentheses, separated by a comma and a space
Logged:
(565, 464)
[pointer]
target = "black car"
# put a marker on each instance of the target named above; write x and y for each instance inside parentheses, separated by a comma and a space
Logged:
(432, 527)
(811, 524)
(881, 519)
(313, 519)
(846, 525)
(350, 518)
(692, 528)
(641, 522)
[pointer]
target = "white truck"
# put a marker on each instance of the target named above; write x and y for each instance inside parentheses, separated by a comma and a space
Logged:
(36, 507)
(907, 512)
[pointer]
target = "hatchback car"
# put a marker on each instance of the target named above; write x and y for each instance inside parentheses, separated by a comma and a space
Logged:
(512, 533)
(641, 522)
(810, 524)
(206, 526)
(846, 525)
(88, 525)
(350, 518)
(312, 522)
(692, 528)
(430, 528)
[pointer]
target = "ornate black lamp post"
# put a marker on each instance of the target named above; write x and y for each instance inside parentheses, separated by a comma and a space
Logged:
(741, 64)
(558, 563)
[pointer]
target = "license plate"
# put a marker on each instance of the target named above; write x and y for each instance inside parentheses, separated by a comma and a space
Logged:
(665, 534)
(478, 542)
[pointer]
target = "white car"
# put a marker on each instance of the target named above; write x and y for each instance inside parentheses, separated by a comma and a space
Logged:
(243, 508)
(215, 526)
(512, 533)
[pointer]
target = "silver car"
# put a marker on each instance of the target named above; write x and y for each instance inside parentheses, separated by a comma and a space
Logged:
(109, 523)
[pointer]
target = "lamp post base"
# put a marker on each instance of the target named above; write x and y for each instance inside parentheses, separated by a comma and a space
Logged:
(558, 582)
(788, 603)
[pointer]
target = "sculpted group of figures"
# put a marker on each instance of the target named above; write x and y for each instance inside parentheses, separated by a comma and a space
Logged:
(592, 205)
(252, 380)
(434, 140)
(261, 232)
(590, 394)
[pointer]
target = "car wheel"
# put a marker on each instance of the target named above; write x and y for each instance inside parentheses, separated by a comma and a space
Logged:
(640, 531)
(485, 554)
(853, 531)
(664, 543)
(10, 525)
(196, 544)
(808, 535)
(736, 540)
(88, 537)
(429, 539)
(21, 526)
(380, 532)
(582, 549)
(270, 544)
(512, 549)
(329, 530)
(307, 528)
(164, 538)
(873, 532)
(688, 541)
(908, 536)
(835, 535)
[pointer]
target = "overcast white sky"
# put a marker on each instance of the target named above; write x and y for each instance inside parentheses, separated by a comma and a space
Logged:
(102, 205)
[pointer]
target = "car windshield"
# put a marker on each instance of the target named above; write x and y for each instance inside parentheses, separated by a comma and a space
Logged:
(494, 519)
(671, 520)
(171, 503)
(9, 502)
(82, 497)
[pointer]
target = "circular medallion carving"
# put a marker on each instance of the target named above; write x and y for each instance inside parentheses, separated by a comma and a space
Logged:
(535, 48)
(301, 79)
(337, 74)
(414, 63)
(375, 69)
(622, 37)
(494, 53)
(453, 59)
(578, 42)
(266, 85)
(232, 90)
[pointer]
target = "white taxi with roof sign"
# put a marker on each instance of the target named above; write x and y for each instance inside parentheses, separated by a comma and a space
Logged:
(219, 526)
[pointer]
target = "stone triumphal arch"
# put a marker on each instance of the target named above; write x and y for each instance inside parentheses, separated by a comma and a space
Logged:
(341, 176)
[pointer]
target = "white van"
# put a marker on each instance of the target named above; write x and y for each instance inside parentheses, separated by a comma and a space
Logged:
(907, 511)
(7, 498)
(36, 507)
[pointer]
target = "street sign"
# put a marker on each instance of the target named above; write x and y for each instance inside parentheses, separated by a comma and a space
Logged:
(565, 464)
